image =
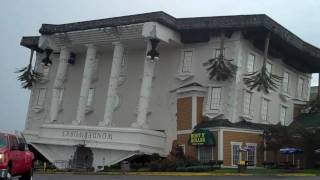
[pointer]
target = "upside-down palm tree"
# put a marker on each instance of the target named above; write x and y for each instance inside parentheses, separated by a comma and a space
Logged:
(262, 79)
(220, 68)
(28, 75)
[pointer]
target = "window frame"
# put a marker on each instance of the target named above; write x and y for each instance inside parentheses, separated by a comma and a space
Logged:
(286, 89)
(300, 94)
(267, 109)
(250, 103)
(233, 143)
(269, 63)
(215, 106)
(253, 63)
(210, 153)
(283, 122)
(255, 152)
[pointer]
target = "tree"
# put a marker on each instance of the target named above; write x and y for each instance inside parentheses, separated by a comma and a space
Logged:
(28, 75)
(280, 137)
(262, 79)
(220, 68)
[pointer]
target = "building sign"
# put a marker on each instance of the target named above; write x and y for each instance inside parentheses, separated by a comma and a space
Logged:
(201, 137)
(87, 135)
(197, 138)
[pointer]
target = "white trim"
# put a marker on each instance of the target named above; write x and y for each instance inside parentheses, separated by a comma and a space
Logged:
(192, 89)
(185, 75)
(183, 148)
(287, 90)
(255, 152)
(220, 145)
(194, 111)
(254, 62)
(298, 96)
(235, 143)
(285, 115)
(264, 99)
(236, 130)
(180, 132)
(247, 115)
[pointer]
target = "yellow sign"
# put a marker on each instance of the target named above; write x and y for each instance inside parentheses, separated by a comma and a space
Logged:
(197, 139)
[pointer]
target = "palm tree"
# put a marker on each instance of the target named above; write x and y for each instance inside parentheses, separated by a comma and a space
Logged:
(28, 75)
(220, 68)
(262, 79)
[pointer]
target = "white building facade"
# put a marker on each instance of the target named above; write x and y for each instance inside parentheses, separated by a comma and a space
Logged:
(118, 103)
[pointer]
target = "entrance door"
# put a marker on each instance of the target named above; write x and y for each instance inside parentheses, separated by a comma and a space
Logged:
(83, 158)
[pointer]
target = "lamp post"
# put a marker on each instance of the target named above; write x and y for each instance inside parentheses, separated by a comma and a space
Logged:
(153, 54)
(266, 137)
(46, 61)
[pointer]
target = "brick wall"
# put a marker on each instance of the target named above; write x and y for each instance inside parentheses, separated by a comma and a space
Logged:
(190, 151)
(229, 136)
(184, 113)
(199, 109)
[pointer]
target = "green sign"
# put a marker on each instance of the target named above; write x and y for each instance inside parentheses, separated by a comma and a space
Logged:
(201, 137)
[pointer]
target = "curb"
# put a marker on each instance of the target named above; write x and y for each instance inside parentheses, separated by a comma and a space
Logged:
(180, 174)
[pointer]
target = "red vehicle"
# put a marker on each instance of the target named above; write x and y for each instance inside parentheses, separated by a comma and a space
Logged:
(15, 158)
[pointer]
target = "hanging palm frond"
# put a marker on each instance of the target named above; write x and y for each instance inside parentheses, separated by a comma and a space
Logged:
(27, 75)
(262, 79)
(220, 68)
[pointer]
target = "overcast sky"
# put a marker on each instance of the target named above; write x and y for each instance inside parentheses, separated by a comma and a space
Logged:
(24, 17)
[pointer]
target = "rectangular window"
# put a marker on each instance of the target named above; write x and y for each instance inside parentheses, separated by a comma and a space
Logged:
(183, 147)
(283, 115)
(264, 109)
(215, 98)
(235, 154)
(250, 63)
(90, 97)
(61, 91)
(300, 88)
(41, 96)
(306, 90)
(246, 103)
(205, 153)
(251, 154)
(187, 61)
(269, 68)
(285, 82)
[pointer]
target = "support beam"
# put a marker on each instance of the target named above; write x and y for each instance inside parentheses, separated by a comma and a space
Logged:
(113, 84)
(86, 83)
(58, 83)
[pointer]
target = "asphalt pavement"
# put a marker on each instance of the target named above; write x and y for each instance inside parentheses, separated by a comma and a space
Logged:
(123, 177)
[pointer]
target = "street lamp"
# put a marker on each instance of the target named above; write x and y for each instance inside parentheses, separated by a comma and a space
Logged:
(153, 54)
(46, 61)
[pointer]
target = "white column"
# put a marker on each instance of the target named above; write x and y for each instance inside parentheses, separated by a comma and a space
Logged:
(86, 83)
(220, 144)
(113, 84)
(145, 92)
(194, 110)
(58, 83)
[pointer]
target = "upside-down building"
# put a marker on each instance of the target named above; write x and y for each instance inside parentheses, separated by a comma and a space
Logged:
(125, 86)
